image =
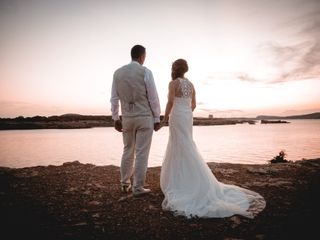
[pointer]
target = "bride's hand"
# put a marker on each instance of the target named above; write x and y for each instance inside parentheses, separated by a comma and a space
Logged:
(165, 120)
(163, 123)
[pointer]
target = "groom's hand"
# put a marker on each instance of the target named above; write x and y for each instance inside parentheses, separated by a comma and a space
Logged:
(157, 126)
(118, 125)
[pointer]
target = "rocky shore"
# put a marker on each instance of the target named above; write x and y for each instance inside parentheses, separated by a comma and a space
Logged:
(83, 201)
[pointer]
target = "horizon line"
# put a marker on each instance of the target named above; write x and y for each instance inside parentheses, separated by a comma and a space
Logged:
(109, 115)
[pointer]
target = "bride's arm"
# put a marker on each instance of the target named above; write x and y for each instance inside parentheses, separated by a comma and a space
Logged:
(169, 105)
(193, 102)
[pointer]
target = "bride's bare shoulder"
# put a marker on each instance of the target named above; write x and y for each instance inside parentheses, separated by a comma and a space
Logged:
(173, 83)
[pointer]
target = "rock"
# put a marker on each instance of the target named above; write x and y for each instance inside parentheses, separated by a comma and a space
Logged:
(98, 185)
(257, 170)
(236, 221)
(260, 237)
(74, 163)
(226, 171)
(124, 198)
(95, 203)
(153, 208)
(87, 192)
(80, 224)
(72, 189)
(34, 173)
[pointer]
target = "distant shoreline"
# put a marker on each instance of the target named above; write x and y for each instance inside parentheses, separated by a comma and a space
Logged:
(80, 123)
(76, 121)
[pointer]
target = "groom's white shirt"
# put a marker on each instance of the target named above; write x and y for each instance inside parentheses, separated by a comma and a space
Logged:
(152, 95)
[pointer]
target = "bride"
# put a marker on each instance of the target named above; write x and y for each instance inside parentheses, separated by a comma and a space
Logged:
(189, 186)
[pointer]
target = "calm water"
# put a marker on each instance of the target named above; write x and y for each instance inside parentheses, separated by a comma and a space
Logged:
(241, 143)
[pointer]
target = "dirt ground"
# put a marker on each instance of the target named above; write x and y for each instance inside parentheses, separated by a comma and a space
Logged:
(83, 201)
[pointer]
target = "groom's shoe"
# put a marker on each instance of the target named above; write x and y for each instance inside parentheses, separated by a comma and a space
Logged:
(140, 191)
(125, 188)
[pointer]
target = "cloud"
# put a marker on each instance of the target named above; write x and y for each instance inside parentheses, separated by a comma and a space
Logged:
(221, 76)
(231, 76)
(300, 61)
(246, 78)
(291, 62)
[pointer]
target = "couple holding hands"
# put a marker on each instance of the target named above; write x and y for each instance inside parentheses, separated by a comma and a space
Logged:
(189, 186)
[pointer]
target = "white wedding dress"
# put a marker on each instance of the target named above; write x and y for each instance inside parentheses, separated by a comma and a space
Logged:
(189, 186)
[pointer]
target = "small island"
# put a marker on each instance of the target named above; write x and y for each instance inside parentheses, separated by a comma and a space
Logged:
(264, 121)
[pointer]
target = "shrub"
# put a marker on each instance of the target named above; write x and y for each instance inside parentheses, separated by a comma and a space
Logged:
(280, 158)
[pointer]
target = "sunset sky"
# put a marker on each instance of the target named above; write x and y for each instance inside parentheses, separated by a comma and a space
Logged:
(246, 57)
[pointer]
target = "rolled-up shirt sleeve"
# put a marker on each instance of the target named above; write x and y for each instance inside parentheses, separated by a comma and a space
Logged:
(114, 101)
(152, 95)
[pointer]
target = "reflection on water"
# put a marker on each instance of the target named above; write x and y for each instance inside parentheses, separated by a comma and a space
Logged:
(241, 143)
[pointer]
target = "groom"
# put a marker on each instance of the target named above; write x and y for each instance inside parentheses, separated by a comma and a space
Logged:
(134, 86)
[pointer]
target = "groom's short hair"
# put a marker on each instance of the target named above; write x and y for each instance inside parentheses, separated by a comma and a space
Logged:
(137, 51)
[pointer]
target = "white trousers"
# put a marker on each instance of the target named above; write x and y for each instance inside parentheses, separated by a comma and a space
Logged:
(137, 137)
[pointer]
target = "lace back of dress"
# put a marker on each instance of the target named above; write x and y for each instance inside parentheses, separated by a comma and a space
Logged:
(185, 88)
